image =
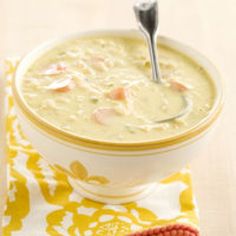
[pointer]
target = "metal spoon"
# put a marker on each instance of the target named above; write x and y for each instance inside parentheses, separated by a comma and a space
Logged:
(146, 12)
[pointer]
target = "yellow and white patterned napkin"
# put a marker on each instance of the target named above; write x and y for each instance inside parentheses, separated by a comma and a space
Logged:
(42, 202)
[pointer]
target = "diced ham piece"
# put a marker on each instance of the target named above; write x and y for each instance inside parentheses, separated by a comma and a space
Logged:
(102, 116)
(62, 85)
(61, 67)
(178, 86)
(98, 63)
(55, 69)
(118, 94)
(65, 89)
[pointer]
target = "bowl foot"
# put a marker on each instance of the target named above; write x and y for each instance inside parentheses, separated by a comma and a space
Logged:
(111, 195)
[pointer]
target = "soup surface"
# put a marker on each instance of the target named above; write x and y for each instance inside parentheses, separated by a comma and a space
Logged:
(100, 88)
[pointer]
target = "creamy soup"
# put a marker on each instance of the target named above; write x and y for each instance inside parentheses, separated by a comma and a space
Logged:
(100, 88)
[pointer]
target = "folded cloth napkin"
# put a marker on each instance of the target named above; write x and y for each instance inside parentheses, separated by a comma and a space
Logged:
(42, 202)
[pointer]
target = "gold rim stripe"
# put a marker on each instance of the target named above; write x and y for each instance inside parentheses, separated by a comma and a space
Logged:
(103, 145)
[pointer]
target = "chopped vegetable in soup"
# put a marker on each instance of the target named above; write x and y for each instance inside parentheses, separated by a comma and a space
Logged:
(101, 88)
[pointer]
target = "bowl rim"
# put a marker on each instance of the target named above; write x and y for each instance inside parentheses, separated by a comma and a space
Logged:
(74, 139)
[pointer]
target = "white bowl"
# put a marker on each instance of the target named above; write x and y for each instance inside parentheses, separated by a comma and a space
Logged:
(115, 172)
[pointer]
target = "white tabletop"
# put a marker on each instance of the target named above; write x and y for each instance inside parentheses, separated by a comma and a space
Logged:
(207, 25)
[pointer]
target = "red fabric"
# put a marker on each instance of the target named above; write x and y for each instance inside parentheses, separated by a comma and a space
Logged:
(171, 230)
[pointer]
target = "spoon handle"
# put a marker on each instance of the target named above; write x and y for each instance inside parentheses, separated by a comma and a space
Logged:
(146, 12)
(154, 59)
